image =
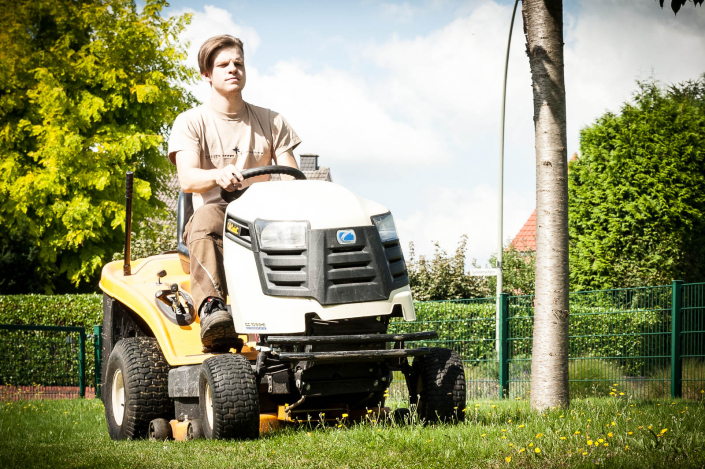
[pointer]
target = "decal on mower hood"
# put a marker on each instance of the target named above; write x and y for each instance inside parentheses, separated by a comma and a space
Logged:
(346, 236)
(256, 326)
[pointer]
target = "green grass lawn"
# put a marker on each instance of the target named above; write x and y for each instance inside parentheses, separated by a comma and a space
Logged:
(612, 432)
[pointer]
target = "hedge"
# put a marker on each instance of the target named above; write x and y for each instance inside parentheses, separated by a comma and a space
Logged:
(53, 360)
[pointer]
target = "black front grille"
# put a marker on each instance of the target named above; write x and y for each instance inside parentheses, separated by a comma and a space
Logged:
(335, 273)
(285, 269)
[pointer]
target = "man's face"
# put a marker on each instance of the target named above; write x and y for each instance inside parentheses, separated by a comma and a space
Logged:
(228, 75)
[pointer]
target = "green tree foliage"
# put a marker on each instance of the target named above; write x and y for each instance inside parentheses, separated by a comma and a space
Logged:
(443, 277)
(637, 204)
(89, 91)
(519, 272)
(677, 4)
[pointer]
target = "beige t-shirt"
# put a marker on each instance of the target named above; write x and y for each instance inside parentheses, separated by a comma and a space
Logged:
(249, 138)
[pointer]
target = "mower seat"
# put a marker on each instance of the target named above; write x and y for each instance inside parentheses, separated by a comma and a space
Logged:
(184, 210)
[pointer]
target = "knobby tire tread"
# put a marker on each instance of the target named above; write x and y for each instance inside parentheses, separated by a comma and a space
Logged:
(443, 376)
(235, 397)
(146, 376)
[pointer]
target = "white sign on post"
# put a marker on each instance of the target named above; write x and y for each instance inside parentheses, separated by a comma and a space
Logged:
(483, 272)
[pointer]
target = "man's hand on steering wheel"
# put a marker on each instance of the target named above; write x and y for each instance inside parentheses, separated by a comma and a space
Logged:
(229, 178)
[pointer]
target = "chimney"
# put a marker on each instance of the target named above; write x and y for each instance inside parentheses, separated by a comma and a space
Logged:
(308, 162)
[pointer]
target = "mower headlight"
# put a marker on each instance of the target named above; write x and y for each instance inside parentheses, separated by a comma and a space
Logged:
(281, 234)
(385, 227)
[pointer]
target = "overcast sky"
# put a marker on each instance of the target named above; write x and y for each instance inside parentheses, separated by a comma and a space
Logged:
(402, 100)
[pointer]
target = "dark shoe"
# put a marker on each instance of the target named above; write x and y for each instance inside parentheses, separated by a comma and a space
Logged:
(217, 327)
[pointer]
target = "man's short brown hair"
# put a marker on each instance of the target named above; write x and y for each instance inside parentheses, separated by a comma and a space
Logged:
(210, 48)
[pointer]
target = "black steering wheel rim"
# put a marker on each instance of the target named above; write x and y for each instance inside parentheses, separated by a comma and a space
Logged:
(261, 171)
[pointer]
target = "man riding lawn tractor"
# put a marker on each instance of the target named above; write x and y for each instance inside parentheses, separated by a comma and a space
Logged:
(290, 286)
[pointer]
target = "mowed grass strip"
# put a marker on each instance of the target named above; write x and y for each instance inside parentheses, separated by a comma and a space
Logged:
(609, 432)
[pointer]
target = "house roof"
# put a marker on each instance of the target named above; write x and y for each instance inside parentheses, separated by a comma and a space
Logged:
(525, 240)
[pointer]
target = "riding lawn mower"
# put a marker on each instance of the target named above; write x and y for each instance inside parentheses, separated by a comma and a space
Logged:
(315, 275)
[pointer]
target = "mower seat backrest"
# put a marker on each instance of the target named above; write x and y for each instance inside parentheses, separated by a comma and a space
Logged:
(184, 210)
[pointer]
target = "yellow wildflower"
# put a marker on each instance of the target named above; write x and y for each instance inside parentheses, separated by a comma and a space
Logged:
(577, 432)
(537, 451)
(610, 434)
(664, 430)
(589, 442)
(508, 459)
(531, 445)
(522, 450)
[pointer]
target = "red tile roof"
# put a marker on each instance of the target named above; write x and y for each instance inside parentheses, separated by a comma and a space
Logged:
(525, 240)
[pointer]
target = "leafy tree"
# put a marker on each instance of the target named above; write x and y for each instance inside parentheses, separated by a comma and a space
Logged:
(444, 277)
(637, 205)
(519, 270)
(89, 90)
(677, 4)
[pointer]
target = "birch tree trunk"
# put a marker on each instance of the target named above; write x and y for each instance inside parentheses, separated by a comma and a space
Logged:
(543, 28)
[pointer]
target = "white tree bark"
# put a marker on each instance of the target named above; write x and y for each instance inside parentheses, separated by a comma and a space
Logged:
(543, 28)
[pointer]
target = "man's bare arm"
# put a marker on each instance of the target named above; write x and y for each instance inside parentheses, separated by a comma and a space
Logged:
(194, 179)
(287, 159)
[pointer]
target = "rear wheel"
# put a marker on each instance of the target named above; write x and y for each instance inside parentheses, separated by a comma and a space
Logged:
(440, 385)
(137, 390)
(228, 398)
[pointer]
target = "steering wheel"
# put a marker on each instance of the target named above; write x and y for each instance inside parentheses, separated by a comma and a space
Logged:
(261, 171)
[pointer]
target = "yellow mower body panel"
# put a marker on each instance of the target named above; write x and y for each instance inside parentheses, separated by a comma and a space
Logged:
(181, 345)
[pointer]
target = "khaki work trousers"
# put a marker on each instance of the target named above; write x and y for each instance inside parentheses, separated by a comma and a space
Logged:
(203, 235)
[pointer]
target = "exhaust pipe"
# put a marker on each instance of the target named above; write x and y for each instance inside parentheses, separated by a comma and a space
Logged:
(129, 176)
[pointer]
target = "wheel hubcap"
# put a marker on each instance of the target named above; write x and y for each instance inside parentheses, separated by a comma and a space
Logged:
(118, 397)
(209, 405)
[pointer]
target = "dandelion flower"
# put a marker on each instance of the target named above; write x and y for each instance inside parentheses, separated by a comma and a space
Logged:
(589, 442)
(562, 438)
(504, 430)
(621, 394)
(483, 435)
(508, 459)
(522, 450)
(504, 437)
(606, 444)
(610, 434)
(614, 424)
(585, 453)
(531, 445)
(577, 432)
(345, 415)
(664, 430)
(600, 440)
(630, 433)
(521, 426)
(537, 451)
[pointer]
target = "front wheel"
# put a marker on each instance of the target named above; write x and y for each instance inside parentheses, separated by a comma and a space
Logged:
(229, 398)
(440, 385)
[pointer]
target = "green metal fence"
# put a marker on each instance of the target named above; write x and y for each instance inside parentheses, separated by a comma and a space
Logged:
(47, 362)
(644, 342)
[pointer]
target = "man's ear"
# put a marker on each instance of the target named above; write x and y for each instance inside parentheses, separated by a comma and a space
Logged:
(206, 77)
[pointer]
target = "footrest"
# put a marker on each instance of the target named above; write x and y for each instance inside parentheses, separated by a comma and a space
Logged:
(353, 355)
(351, 339)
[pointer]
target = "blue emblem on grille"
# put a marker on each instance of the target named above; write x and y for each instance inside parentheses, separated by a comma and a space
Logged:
(346, 236)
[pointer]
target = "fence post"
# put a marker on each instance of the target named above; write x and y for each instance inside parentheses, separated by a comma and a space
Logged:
(98, 347)
(503, 345)
(82, 363)
(676, 324)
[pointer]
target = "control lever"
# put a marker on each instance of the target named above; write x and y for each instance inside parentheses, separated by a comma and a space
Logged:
(171, 297)
(175, 290)
(160, 274)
